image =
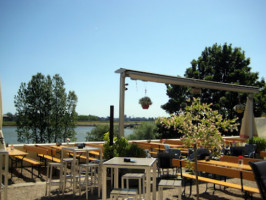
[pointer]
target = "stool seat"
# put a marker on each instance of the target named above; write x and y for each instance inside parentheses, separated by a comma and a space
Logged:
(134, 176)
(169, 184)
(123, 193)
(67, 159)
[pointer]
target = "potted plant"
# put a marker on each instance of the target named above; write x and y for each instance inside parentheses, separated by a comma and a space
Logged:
(145, 102)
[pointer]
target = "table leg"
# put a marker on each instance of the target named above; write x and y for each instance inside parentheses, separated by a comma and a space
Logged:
(104, 182)
(154, 181)
(74, 173)
(148, 183)
(116, 177)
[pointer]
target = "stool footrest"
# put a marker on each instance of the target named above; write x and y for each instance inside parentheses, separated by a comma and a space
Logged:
(120, 191)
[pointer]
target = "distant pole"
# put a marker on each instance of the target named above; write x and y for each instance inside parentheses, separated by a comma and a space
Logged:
(111, 132)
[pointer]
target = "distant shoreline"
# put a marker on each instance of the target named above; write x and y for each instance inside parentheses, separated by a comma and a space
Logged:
(81, 123)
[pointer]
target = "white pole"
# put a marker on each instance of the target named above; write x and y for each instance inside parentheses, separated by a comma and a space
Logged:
(122, 104)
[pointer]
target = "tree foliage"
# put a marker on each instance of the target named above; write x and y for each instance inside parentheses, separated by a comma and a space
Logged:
(45, 113)
(97, 134)
(145, 131)
(121, 148)
(88, 118)
(221, 64)
(200, 125)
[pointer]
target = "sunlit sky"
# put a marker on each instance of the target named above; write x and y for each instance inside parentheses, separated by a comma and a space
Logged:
(86, 41)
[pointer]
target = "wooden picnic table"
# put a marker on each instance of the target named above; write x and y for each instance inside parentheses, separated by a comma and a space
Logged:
(16, 152)
(226, 164)
(58, 148)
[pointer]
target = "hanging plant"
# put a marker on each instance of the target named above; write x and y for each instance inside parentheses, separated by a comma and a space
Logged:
(239, 108)
(145, 102)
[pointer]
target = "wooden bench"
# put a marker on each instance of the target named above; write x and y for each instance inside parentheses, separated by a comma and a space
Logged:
(174, 142)
(147, 146)
(50, 155)
(84, 157)
(222, 171)
(33, 162)
(43, 153)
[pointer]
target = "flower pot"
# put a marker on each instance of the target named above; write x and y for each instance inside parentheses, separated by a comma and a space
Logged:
(145, 106)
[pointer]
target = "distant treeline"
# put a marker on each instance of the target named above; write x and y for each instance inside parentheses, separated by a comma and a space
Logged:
(96, 118)
(9, 117)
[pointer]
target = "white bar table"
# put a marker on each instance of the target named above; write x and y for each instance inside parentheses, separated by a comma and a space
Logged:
(76, 150)
(148, 164)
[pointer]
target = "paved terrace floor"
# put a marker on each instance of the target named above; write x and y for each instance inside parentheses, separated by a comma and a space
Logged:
(27, 189)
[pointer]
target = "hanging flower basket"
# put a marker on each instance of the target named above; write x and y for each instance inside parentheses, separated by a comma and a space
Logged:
(145, 102)
(239, 108)
(145, 106)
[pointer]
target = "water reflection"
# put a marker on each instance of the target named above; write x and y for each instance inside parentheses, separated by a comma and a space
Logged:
(10, 133)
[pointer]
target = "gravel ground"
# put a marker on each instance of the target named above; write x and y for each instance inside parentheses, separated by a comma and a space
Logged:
(25, 188)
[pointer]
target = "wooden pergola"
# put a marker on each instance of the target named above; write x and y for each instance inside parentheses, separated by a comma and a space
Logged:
(166, 79)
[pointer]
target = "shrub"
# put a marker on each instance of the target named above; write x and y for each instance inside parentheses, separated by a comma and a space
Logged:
(260, 143)
(121, 148)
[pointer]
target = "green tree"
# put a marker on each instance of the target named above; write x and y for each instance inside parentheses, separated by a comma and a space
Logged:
(146, 130)
(221, 64)
(42, 109)
(69, 121)
(97, 134)
(58, 107)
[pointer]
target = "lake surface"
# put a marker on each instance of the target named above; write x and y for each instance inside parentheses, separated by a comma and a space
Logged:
(10, 133)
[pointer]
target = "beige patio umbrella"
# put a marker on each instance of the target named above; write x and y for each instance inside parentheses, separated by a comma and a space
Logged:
(248, 126)
(2, 140)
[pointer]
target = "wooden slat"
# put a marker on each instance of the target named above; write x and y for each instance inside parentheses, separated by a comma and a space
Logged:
(222, 183)
(29, 160)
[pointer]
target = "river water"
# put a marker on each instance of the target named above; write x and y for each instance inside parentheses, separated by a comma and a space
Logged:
(10, 133)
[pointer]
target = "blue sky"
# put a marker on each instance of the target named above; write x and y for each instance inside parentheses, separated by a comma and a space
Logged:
(85, 41)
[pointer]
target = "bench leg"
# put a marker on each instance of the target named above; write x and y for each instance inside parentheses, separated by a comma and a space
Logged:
(12, 167)
(31, 171)
(39, 171)
(190, 189)
(21, 165)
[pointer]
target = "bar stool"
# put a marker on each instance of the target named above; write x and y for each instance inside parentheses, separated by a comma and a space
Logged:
(134, 176)
(123, 193)
(49, 180)
(170, 184)
(68, 174)
(91, 177)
